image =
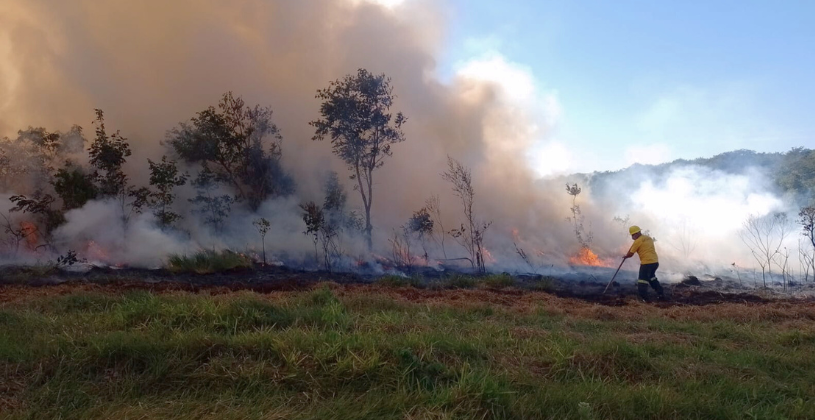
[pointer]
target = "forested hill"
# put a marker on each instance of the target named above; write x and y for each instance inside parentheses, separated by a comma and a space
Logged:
(791, 173)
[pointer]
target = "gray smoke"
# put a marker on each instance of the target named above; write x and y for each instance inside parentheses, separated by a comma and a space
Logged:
(153, 64)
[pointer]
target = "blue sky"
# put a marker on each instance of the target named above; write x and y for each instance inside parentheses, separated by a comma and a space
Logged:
(652, 81)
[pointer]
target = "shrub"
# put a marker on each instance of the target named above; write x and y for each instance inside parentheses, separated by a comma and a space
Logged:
(206, 262)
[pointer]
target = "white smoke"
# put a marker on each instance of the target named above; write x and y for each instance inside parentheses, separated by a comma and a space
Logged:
(153, 64)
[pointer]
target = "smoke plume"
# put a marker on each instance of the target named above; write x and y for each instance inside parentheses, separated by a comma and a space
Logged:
(152, 64)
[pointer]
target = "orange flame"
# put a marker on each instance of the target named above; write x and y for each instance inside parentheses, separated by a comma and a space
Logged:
(516, 235)
(587, 257)
(488, 258)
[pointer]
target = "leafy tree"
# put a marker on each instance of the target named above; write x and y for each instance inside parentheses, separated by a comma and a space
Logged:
(321, 232)
(108, 154)
(796, 173)
(28, 162)
(335, 209)
(214, 207)
(40, 205)
(27, 166)
(74, 186)
(239, 146)
(421, 225)
(355, 116)
(164, 177)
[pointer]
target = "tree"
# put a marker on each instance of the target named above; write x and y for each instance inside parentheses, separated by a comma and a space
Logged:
(15, 234)
(41, 205)
(433, 206)
(355, 116)
(796, 173)
(806, 258)
(334, 202)
(765, 237)
(322, 232)
(471, 236)
(806, 218)
(214, 207)
(313, 218)
(263, 226)
(237, 145)
(421, 226)
(577, 219)
(28, 162)
(74, 186)
(335, 207)
(108, 154)
(164, 177)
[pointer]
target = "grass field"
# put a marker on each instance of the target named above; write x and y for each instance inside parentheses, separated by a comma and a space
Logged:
(395, 352)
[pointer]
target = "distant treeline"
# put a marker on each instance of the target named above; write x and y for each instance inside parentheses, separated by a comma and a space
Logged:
(790, 173)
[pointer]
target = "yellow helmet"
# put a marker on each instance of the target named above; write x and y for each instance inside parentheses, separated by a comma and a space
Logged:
(633, 229)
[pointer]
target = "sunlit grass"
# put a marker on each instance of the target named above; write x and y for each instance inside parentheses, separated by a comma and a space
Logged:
(206, 262)
(359, 355)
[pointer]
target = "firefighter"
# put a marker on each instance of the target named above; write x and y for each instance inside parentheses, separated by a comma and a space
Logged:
(649, 262)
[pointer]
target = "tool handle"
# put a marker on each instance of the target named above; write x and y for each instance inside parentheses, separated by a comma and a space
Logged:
(615, 276)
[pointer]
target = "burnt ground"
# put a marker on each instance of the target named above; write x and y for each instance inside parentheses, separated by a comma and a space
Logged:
(585, 286)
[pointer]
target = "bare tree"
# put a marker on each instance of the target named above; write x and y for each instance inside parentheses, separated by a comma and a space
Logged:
(263, 226)
(765, 235)
(355, 115)
(577, 219)
(400, 248)
(806, 258)
(16, 235)
(806, 218)
(471, 235)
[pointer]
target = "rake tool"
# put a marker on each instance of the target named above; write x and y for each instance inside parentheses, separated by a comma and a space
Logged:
(615, 276)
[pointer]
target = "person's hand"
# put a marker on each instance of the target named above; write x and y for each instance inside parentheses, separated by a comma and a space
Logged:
(625, 257)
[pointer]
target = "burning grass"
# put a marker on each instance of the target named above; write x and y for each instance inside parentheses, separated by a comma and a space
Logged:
(207, 262)
(371, 351)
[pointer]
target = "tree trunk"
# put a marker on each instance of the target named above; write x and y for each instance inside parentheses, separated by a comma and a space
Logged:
(368, 228)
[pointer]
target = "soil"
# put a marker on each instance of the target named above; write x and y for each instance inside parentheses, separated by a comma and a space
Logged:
(270, 279)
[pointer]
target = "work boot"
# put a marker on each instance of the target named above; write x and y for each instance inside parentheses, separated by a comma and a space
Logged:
(642, 290)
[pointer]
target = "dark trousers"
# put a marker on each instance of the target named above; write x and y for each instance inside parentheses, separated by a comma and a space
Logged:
(648, 276)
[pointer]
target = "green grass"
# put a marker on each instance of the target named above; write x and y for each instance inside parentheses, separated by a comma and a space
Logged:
(321, 354)
(206, 262)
